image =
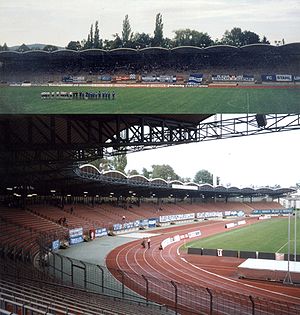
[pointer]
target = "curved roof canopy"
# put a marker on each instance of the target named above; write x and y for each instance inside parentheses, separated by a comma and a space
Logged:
(292, 48)
(173, 186)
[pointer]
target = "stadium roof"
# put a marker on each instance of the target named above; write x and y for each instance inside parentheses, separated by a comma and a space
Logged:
(292, 48)
(42, 149)
(123, 185)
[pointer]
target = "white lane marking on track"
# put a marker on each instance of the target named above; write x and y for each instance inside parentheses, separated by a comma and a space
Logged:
(281, 247)
(234, 281)
(178, 251)
(153, 257)
(154, 269)
(147, 263)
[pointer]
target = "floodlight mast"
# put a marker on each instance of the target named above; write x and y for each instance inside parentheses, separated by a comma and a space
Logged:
(295, 233)
(288, 278)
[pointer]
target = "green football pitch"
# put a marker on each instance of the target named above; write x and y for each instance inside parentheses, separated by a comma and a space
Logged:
(27, 100)
(266, 236)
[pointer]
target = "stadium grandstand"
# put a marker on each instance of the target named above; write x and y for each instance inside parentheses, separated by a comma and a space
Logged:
(51, 200)
(256, 63)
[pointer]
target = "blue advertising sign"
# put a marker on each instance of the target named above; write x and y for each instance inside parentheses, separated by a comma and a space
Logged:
(100, 232)
(297, 78)
(76, 236)
(117, 227)
(195, 78)
(167, 78)
(144, 222)
(233, 77)
(128, 225)
(105, 78)
(148, 78)
(76, 240)
(273, 211)
(67, 78)
(248, 78)
(284, 78)
(55, 245)
(268, 77)
(152, 222)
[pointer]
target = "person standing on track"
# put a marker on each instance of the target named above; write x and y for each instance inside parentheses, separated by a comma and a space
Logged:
(149, 242)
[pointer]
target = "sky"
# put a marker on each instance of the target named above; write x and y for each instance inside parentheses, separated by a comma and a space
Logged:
(260, 160)
(58, 22)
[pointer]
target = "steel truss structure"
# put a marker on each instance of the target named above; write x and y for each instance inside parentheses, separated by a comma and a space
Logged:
(59, 138)
(48, 146)
(149, 136)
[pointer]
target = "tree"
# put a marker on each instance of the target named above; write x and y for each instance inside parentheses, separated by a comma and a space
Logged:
(276, 186)
(158, 39)
(205, 177)
(4, 47)
(126, 32)
(185, 179)
(74, 45)
(116, 43)
(250, 38)
(107, 44)
(132, 172)
(236, 37)
(141, 40)
(187, 37)
(91, 37)
(233, 37)
(265, 41)
(50, 48)
(97, 41)
(164, 171)
(146, 173)
(23, 48)
(168, 43)
(119, 162)
(88, 44)
(82, 44)
(104, 165)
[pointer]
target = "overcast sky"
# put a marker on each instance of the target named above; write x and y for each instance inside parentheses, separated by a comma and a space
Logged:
(261, 160)
(59, 21)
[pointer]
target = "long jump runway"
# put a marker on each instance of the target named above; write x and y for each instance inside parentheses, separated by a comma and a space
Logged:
(216, 273)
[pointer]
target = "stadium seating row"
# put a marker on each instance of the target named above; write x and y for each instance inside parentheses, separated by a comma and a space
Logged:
(22, 230)
(26, 293)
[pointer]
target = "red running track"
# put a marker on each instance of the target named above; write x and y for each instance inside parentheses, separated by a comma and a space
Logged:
(195, 273)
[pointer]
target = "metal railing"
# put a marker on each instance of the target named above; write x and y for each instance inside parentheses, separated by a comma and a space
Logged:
(182, 298)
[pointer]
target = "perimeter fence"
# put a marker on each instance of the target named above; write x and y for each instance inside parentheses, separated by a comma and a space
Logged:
(180, 297)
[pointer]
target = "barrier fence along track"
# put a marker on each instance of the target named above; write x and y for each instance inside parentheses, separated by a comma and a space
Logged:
(182, 298)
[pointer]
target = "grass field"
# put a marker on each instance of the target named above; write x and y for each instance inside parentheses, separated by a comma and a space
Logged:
(266, 236)
(25, 100)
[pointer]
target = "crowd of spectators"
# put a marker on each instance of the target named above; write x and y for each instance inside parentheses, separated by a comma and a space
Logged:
(184, 62)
